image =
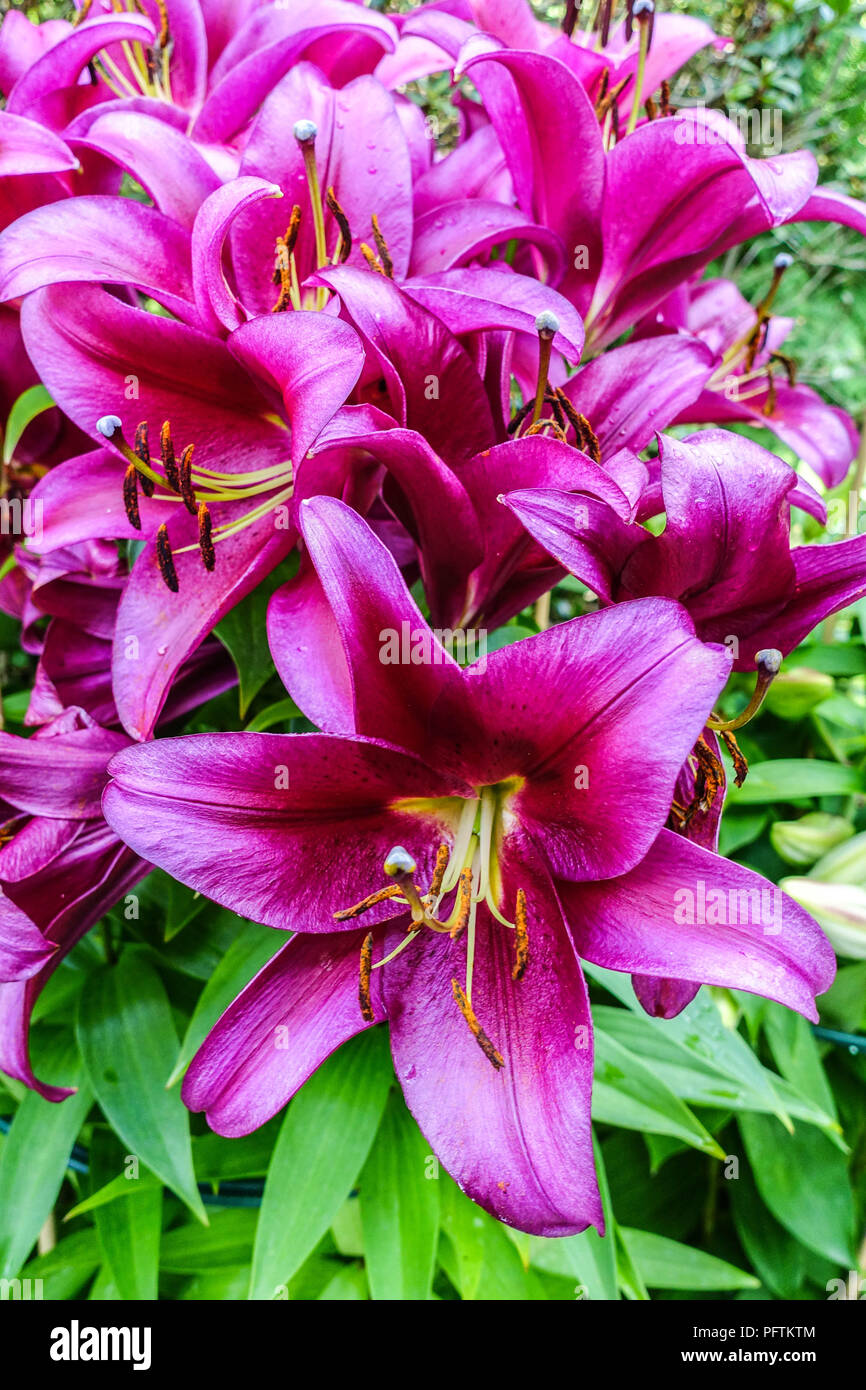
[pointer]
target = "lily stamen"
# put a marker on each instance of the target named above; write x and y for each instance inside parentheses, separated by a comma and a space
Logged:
(344, 241)
(768, 664)
(493, 1055)
(521, 943)
(366, 965)
(165, 559)
(382, 247)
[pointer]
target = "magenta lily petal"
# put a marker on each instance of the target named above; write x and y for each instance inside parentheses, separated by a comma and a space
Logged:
(28, 148)
(219, 307)
(224, 813)
(64, 897)
(115, 240)
(827, 578)
(584, 535)
(539, 110)
(523, 1148)
(58, 774)
(272, 41)
(661, 997)
(422, 362)
(23, 948)
(686, 907)
(589, 813)
(239, 1077)
(461, 232)
(169, 626)
(377, 182)
(312, 359)
(163, 160)
(85, 343)
(368, 600)
(479, 300)
(60, 66)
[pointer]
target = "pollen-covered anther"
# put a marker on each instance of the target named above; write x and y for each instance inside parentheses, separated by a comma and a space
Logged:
(344, 245)
(184, 477)
(493, 1055)
(371, 258)
(372, 900)
(443, 854)
(364, 975)
(382, 247)
(205, 537)
(167, 455)
(741, 767)
(165, 559)
(521, 938)
(130, 496)
(464, 902)
(141, 449)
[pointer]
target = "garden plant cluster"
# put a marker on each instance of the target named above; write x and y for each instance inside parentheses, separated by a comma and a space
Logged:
(433, 589)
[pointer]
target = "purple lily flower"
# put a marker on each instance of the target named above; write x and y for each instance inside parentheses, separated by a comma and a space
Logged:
(643, 216)
(449, 809)
(754, 379)
(215, 526)
(719, 492)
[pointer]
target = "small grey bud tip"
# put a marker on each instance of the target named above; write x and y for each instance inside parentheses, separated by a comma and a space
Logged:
(305, 131)
(547, 322)
(782, 261)
(769, 661)
(107, 424)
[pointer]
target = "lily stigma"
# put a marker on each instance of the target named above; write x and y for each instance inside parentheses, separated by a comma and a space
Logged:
(285, 266)
(469, 871)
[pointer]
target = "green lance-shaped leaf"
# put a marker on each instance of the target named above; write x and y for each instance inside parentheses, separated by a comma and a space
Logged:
(129, 1044)
(324, 1141)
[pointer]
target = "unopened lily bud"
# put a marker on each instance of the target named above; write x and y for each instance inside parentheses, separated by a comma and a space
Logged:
(844, 864)
(795, 692)
(839, 908)
(802, 842)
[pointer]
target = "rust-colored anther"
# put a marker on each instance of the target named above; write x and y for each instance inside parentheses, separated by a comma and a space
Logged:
(165, 559)
(372, 259)
(169, 462)
(651, 109)
(342, 222)
(382, 247)
(442, 856)
(205, 539)
(490, 1052)
(741, 767)
(464, 901)
(372, 900)
(365, 972)
(80, 15)
(130, 496)
(521, 938)
(665, 97)
(184, 478)
(589, 439)
(142, 451)
(163, 35)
